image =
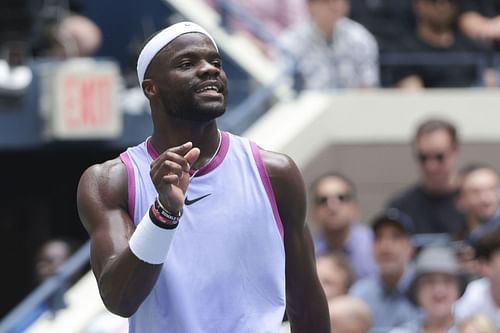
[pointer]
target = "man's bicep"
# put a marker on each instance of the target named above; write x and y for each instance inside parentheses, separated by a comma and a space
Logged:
(101, 193)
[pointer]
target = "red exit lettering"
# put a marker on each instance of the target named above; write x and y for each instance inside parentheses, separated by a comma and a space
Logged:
(87, 102)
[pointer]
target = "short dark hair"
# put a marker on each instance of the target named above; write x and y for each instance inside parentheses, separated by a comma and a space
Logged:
(436, 124)
(333, 174)
(487, 244)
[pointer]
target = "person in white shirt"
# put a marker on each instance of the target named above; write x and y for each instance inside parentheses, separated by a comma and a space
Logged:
(483, 296)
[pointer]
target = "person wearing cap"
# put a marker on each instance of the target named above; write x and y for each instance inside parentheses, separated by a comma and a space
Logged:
(196, 229)
(436, 287)
(386, 292)
(482, 296)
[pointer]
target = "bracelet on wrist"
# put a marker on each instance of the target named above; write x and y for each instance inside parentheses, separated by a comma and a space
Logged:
(165, 213)
(159, 220)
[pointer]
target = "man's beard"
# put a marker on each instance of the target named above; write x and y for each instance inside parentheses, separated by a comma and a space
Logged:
(194, 110)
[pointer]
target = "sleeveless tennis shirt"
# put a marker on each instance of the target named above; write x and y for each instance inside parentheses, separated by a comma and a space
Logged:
(225, 271)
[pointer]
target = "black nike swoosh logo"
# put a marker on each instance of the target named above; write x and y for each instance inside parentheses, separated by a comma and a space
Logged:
(188, 202)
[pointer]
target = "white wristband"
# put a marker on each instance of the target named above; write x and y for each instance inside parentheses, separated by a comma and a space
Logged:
(149, 242)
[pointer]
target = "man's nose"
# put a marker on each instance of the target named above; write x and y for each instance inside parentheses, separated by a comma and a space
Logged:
(207, 67)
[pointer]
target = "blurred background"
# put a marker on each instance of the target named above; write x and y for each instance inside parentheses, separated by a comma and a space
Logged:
(336, 84)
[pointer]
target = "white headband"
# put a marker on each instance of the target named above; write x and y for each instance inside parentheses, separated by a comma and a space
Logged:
(161, 40)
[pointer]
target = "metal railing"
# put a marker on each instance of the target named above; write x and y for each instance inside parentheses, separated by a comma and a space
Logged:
(51, 291)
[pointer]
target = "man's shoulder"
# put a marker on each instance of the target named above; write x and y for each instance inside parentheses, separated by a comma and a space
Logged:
(365, 287)
(276, 161)
(355, 31)
(108, 174)
(405, 195)
(291, 39)
(476, 297)
(361, 232)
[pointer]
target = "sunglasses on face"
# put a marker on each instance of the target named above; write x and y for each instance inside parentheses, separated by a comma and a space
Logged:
(341, 197)
(424, 158)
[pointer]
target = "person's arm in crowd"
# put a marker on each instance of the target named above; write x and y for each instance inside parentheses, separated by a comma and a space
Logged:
(307, 308)
(477, 26)
(367, 56)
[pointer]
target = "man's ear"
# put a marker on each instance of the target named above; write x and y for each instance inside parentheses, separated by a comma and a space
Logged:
(149, 88)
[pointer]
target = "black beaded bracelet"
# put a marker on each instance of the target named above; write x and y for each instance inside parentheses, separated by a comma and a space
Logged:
(166, 213)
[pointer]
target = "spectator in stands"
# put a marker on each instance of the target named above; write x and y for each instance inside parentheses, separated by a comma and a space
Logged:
(390, 21)
(63, 32)
(431, 203)
(262, 21)
(335, 274)
(336, 212)
(436, 287)
(320, 49)
(436, 33)
(386, 293)
(51, 255)
(483, 296)
(479, 199)
(349, 315)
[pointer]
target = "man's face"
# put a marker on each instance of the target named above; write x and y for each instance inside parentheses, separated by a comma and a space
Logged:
(436, 293)
(334, 207)
(437, 157)
(50, 257)
(440, 14)
(189, 78)
(326, 12)
(392, 249)
(479, 194)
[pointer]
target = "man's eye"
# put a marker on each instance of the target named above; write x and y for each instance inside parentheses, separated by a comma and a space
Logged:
(186, 65)
(217, 63)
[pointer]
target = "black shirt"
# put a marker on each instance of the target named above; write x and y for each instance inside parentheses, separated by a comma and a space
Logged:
(431, 213)
(447, 74)
(390, 21)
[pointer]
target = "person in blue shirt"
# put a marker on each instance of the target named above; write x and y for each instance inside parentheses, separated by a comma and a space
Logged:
(386, 292)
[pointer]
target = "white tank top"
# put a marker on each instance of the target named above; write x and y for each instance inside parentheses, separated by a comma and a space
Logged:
(225, 271)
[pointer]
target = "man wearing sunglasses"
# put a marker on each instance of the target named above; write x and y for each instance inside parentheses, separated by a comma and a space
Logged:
(431, 201)
(336, 213)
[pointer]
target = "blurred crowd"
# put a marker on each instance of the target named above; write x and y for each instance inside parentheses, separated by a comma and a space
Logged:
(411, 44)
(320, 44)
(429, 261)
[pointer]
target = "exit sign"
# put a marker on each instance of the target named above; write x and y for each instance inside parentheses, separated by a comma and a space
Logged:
(81, 100)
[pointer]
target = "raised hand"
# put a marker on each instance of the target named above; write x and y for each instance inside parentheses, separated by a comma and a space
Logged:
(170, 175)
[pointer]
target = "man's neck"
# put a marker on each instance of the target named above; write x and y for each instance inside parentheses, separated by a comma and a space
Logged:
(442, 37)
(390, 281)
(438, 325)
(448, 186)
(205, 136)
(472, 223)
(327, 30)
(337, 238)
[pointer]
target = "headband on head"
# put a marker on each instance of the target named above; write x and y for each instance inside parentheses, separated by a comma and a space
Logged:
(161, 40)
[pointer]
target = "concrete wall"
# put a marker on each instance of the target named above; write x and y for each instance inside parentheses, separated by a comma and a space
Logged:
(366, 134)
